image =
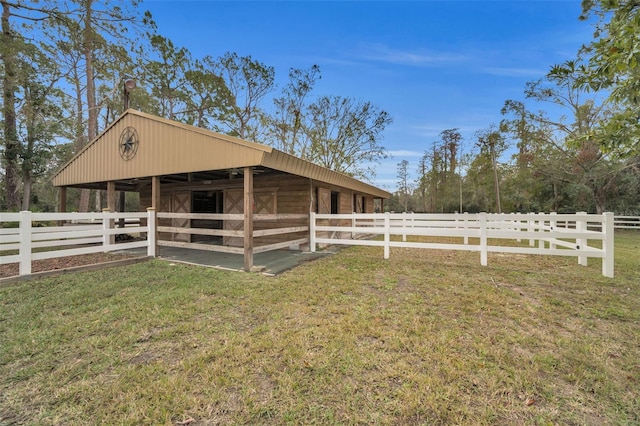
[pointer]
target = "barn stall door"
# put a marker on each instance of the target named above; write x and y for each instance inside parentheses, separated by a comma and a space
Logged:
(182, 204)
(264, 202)
(324, 201)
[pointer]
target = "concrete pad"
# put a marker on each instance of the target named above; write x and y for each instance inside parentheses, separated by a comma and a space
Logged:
(269, 263)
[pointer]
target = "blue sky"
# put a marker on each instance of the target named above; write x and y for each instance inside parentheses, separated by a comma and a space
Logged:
(433, 65)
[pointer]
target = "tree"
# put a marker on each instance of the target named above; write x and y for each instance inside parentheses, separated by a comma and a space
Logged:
(564, 149)
(26, 89)
(613, 63)
(247, 83)
(203, 94)
(345, 135)
(40, 116)
(493, 143)
(93, 29)
(289, 126)
(404, 190)
(167, 76)
(8, 51)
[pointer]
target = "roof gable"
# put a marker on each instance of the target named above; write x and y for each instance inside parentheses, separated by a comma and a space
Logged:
(168, 147)
(164, 147)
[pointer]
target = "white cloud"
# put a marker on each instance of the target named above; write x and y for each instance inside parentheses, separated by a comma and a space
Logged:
(515, 72)
(404, 153)
(419, 57)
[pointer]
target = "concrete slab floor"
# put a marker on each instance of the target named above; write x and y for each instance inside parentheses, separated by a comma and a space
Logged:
(269, 263)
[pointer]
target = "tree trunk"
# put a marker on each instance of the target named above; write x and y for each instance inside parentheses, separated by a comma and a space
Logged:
(495, 178)
(83, 201)
(12, 145)
(92, 109)
(27, 183)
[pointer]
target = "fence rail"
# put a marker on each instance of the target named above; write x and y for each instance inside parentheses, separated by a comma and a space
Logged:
(23, 237)
(627, 222)
(548, 234)
(181, 231)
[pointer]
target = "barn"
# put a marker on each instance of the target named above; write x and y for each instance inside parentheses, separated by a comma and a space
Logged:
(212, 191)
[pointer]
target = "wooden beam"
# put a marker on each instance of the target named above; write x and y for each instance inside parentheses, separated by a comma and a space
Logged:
(62, 199)
(248, 218)
(155, 193)
(62, 203)
(111, 196)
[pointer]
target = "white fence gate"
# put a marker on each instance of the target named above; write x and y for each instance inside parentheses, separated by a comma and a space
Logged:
(94, 237)
(548, 234)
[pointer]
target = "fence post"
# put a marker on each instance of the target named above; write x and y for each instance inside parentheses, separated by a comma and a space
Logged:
(530, 228)
(152, 241)
(312, 232)
(353, 225)
(404, 226)
(483, 239)
(25, 243)
(607, 244)
(387, 234)
(106, 226)
(581, 226)
(466, 228)
(552, 225)
(541, 229)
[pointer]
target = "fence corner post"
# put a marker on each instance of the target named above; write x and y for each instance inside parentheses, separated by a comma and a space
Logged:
(152, 240)
(312, 232)
(608, 244)
(483, 239)
(25, 243)
(387, 234)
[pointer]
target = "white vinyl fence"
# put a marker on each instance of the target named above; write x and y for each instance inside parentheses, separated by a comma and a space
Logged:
(627, 222)
(34, 242)
(547, 234)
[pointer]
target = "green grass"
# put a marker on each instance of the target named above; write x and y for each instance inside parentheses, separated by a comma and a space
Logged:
(427, 337)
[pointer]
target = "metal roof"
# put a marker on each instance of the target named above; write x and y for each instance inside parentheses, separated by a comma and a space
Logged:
(166, 147)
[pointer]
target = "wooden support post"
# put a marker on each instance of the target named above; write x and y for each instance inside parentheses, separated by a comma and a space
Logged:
(155, 193)
(62, 203)
(248, 219)
(111, 196)
(121, 201)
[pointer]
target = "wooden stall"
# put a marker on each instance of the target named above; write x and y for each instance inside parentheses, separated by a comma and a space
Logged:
(212, 191)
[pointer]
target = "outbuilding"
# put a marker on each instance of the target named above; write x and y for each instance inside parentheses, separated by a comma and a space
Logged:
(212, 191)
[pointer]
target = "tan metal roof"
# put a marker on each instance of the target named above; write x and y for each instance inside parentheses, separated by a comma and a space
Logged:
(167, 147)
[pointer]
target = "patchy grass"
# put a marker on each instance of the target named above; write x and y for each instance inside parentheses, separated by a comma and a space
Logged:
(427, 337)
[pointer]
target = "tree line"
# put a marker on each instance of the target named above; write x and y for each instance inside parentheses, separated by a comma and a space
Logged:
(63, 69)
(573, 139)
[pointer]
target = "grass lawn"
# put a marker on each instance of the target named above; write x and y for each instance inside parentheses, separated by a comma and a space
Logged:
(427, 337)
